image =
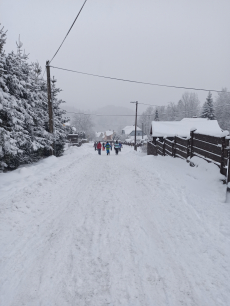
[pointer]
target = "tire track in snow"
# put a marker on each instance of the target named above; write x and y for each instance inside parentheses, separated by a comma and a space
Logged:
(105, 231)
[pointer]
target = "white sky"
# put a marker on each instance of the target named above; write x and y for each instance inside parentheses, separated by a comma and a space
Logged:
(179, 42)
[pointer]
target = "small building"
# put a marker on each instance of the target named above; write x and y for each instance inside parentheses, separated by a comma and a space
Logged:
(130, 131)
(109, 135)
(182, 128)
(99, 136)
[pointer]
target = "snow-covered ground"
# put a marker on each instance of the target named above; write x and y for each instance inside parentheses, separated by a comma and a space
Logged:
(114, 230)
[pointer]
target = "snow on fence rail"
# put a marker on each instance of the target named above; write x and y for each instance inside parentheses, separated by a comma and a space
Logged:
(131, 144)
(211, 148)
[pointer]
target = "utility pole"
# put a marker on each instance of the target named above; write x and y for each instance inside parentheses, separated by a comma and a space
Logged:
(53, 118)
(135, 141)
(142, 129)
(50, 106)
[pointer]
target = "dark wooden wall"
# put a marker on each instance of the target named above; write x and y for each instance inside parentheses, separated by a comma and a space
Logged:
(212, 149)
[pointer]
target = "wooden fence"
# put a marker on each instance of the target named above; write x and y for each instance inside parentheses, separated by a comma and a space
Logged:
(212, 149)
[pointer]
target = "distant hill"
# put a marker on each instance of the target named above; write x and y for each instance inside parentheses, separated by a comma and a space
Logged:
(103, 123)
(114, 110)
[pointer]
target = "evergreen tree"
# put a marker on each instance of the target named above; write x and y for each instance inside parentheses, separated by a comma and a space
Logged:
(2, 39)
(156, 116)
(41, 140)
(60, 132)
(208, 108)
(24, 135)
(18, 82)
(10, 114)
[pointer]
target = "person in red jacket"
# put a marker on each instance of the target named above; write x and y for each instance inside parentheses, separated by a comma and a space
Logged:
(99, 148)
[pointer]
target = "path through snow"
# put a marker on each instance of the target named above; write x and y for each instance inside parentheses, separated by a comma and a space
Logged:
(114, 230)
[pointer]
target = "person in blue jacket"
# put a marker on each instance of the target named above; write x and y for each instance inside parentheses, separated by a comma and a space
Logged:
(108, 147)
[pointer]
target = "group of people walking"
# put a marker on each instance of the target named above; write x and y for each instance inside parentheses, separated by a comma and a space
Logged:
(107, 146)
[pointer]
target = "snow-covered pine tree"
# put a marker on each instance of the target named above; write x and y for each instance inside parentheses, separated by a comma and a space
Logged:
(208, 108)
(2, 89)
(24, 136)
(156, 116)
(41, 140)
(60, 132)
(204, 112)
(10, 114)
(17, 81)
(2, 39)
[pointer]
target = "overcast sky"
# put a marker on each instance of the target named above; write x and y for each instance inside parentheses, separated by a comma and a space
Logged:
(178, 42)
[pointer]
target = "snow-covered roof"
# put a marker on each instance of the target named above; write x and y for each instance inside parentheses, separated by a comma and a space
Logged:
(108, 133)
(183, 127)
(129, 129)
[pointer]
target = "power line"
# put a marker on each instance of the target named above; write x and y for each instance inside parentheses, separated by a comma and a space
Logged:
(138, 82)
(151, 104)
(106, 115)
(174, 111)
(68, 31)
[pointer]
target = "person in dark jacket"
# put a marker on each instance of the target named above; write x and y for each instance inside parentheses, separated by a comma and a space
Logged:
(99, 148)
(95, 145)
(107, 146)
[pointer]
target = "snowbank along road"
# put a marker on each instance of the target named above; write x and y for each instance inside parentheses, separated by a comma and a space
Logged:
(130, 229)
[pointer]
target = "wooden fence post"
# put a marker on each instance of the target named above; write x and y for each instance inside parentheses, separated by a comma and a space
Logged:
(164, 147)
(188, 147)
(228, 168)
(223, 146)
(192, 136)
(174, 147)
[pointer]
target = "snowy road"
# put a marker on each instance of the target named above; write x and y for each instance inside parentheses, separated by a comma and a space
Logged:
(113, 230)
